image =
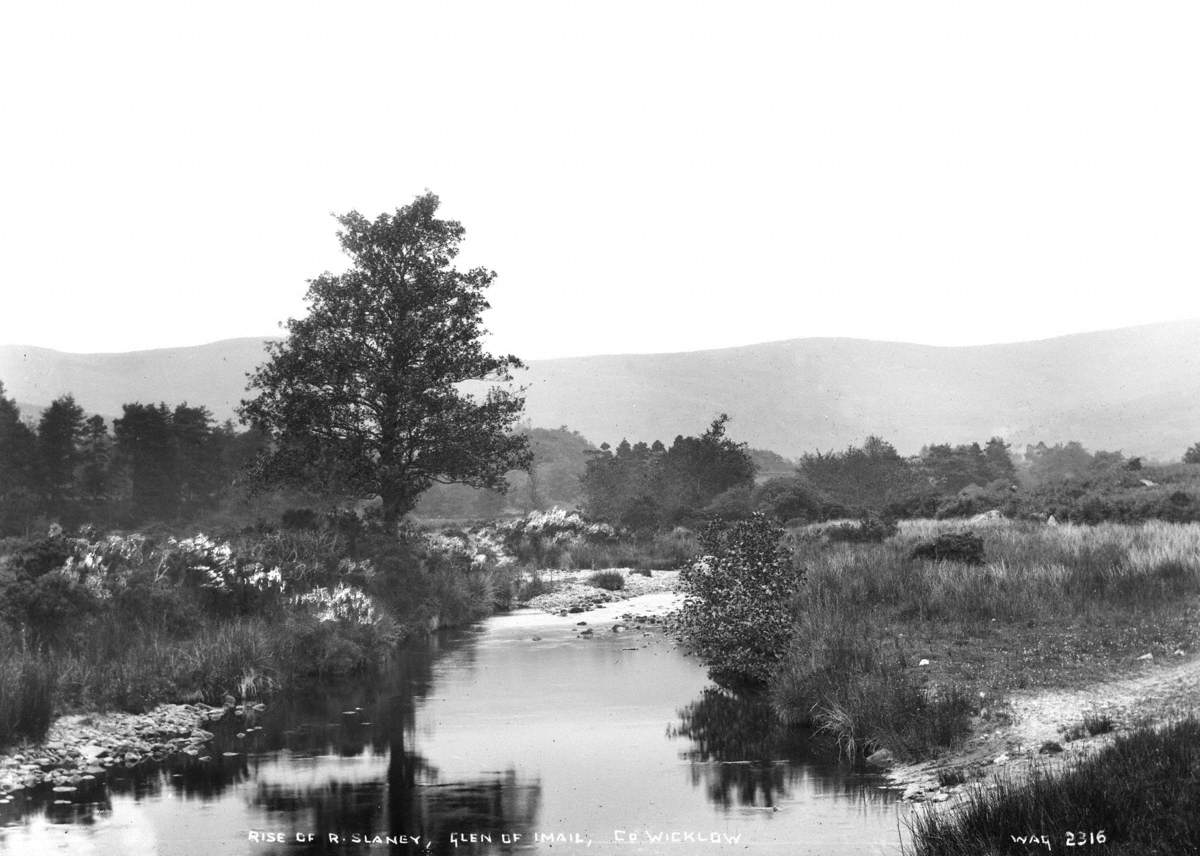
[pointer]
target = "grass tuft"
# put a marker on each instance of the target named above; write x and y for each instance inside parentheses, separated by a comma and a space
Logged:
(608, 580)
(1141, 793)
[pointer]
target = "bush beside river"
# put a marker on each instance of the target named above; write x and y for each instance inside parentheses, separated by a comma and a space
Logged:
(917, 642)
(126, 621)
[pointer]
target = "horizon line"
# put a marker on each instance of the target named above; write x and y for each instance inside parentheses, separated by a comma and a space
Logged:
(826, 338)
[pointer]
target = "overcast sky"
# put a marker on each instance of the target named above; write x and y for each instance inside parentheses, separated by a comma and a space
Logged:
(643, 177)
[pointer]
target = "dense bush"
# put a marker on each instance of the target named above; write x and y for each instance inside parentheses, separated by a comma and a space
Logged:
(609, 580)
(541, 538)
(737, 608)
(965, 547)
(788, 498)
(300, 518)
(32, 558)
(871, 530)
(733, 504)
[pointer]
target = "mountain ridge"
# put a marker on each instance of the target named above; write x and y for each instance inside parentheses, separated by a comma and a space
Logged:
(1133, 388)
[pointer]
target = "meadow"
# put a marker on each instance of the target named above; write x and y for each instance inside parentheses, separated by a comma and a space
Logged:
(890, 650)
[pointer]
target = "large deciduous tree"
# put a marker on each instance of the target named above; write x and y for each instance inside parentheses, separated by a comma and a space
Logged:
(363, 395)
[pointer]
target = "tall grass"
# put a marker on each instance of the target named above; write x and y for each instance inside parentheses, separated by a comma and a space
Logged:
(1029, 570)
(859, 690)
(27, 685)
(848, 669)
(1141, 793)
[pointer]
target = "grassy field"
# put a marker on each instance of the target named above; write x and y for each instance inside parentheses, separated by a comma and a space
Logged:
(905, 653)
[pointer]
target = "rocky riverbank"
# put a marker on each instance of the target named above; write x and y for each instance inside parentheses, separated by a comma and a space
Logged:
(573, 594)
(82, 747)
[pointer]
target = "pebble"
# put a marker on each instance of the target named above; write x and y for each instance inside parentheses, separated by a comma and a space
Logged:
(80, 747)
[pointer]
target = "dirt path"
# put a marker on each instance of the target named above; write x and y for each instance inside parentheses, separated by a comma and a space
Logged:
(1012, 740)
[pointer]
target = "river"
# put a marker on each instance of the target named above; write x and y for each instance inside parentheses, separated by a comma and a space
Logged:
(482, 741)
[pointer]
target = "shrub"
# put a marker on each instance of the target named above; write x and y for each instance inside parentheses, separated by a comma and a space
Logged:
(737, 607)
(528, 589)
(48, 607)
(33, 559)
(542, 537)
(788, 498)
(965, 547)
(608, 580)
(300, 518)
(870, 530)
(732, 504)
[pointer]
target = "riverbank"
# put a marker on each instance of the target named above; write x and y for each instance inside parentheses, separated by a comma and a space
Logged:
(82, 747)
(1135, 795)
(1049, 730)
(129, 621)
(573, 594)
(921, 657)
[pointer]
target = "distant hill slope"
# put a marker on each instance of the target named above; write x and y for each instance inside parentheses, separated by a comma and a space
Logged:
(1136, 389)
(212, 375)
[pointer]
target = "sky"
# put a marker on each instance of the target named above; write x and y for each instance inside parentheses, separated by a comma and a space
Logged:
(643, 177)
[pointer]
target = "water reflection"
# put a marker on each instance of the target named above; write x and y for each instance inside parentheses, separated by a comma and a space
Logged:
(743, 756)
(525, 729)
(340, 762)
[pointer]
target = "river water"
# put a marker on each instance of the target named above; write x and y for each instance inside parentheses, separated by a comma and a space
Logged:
(488, 741)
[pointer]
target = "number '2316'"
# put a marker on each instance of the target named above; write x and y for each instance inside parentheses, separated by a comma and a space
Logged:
(1083, 839)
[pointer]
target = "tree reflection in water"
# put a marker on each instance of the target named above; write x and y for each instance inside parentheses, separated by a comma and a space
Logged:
(741, 751)
(350, 765)
(744, 756)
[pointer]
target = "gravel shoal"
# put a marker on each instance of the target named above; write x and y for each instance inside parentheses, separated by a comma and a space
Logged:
(81, 747)
(573, 594)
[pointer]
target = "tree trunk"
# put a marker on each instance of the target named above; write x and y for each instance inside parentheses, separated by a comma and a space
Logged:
(397, 502)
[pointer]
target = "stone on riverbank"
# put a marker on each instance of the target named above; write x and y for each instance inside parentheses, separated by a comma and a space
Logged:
(882, 758)
(81, 744)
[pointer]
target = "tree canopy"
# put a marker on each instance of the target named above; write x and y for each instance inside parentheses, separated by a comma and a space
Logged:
(642, 486)
(362, 396)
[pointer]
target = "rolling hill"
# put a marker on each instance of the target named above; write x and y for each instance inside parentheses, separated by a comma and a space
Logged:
(1136, 389)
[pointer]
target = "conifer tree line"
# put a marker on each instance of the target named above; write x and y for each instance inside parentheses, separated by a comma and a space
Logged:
(155, 463)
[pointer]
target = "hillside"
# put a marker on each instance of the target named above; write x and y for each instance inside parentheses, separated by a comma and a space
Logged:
(1136, 389)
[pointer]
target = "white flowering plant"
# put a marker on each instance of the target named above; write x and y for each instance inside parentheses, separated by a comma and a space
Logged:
(540, 536)
(341, 603)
